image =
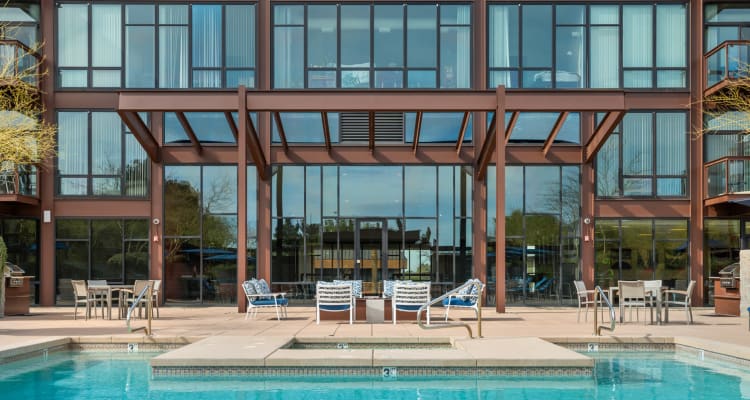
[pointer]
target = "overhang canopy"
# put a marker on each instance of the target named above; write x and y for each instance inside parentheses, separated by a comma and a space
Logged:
(613, 103)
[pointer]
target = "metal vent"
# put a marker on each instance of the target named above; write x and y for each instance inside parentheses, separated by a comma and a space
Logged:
(355, 127)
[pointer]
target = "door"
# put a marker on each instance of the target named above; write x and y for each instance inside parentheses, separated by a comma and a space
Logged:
(371, 254)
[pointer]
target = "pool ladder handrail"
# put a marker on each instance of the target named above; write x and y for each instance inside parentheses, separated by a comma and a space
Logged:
(468, 283)
(598, 296)
(148, 292)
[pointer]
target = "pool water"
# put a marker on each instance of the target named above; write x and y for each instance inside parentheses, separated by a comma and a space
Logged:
(640, 376)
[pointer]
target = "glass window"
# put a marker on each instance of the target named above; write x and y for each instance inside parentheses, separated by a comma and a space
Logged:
(615, 41)
(111, 249)
(90, 159)
(362, 46)
(198, 46)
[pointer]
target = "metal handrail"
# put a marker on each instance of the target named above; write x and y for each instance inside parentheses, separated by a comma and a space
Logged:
(147, 291)
(450, 293)
(599, 295)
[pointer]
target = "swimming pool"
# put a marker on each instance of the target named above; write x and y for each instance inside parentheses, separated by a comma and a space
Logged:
(100, 375)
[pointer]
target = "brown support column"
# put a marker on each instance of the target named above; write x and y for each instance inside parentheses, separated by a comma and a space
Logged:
(696, 153)
(587, 205)
(156, 269)
(479, 196)
(241, 198)
(264, 135)
(500, 202)
(46, 239)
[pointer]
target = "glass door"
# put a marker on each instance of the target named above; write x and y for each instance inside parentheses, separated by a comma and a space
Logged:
(371, 255)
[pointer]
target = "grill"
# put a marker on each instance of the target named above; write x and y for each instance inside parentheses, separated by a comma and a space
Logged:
(728, 274)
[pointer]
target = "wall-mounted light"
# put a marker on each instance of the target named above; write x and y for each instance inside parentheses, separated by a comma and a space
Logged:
(156, 239)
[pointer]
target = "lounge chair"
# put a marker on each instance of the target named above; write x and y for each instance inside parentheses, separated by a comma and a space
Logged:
(259, 295)
(334, 297)
(670, 298)
(388, 287)
(409, 297)
(467, 297)
(356, 286)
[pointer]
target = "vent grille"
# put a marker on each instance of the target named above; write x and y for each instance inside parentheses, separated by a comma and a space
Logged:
(355, 127)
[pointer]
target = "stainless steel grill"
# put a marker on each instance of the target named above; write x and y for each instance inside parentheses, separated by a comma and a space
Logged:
(728, 274)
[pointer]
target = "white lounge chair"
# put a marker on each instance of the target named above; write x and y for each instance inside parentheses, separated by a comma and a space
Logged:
(332, 297)
(259, 295)
(468, 297)
(409, 297)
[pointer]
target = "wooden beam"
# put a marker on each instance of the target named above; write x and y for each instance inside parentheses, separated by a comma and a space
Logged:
(555, 130)
(417, 131)
(462, 132)
(511, 125)
(142, 134)
(371, 123)
(602, 132)
(232, 126)
(280, 129)
(485, 154)
(189, 131)
(326, 130)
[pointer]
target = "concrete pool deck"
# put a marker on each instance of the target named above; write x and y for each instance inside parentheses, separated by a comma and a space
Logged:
(519, 337)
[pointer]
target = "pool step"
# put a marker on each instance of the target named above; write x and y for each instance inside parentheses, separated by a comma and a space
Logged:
(241, 355)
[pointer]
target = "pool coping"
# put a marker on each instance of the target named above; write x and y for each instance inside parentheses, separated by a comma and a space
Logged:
(469, 356)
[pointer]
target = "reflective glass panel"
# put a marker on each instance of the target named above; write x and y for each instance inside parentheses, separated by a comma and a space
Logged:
(371, 191)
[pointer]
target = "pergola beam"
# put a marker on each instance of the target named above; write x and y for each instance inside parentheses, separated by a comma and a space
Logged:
(141, 133)
(553, 133)
(232, 126)
(602, 132)
(485, 154)
(255, 147)
(280, 128)
(384, 101)
(462, 132)
(511, 125)
(189, 131)
(326, 130)
(417, 131)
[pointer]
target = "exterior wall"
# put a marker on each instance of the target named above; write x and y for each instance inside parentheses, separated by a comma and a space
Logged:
(152, 207)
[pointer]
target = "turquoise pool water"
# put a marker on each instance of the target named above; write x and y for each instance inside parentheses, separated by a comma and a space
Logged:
(640, 376)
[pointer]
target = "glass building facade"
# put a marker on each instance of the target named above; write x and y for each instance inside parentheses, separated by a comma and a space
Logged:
(527, 144)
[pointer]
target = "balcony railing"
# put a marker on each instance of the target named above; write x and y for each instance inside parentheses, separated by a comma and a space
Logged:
(18, 61)
(729, 60)
(21, 181)
(728, 175)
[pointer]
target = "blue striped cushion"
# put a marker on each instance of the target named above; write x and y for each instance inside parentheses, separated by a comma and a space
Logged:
(342, 307)
(270, 302)
(407, 307)
(457, 301)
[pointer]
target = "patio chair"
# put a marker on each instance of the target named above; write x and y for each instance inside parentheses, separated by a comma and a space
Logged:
(356, 286)
(258, 297)
(409, 297)
(155, 294)
(333, 297)
(99, 296)
(467, 297)
(586, 298)
(81, 296)
(132, 297)
(388, 287)
(670, 298)
(633, 294)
